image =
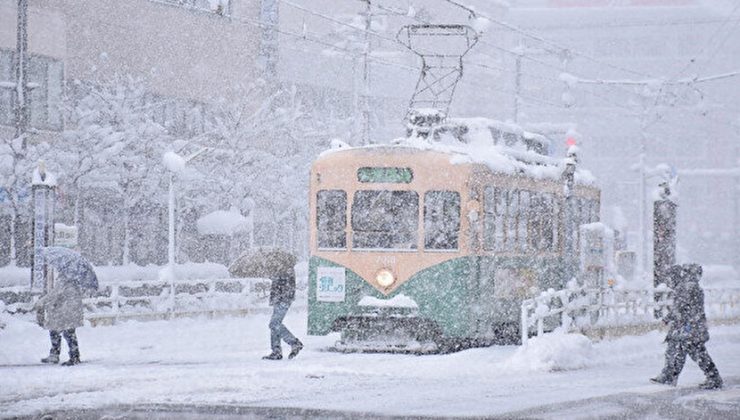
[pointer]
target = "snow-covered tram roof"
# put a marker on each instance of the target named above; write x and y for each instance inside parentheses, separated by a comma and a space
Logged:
(497, 158)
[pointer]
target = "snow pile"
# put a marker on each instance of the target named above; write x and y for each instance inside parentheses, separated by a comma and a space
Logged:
(553, 352)
(398, 301)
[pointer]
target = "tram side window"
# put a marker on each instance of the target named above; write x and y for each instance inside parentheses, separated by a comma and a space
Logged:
(512, 214)
(535, 221)
(548, 218)
(525, 214)
(502, 197)
(441, 219)
(594, 211)
(331, 218)
(572, 222)
(489, 218)
(383, 219)
(556, 223)
(494, 207)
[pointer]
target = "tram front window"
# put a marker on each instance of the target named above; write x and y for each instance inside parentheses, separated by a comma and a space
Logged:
(385, 219)
(331, 219)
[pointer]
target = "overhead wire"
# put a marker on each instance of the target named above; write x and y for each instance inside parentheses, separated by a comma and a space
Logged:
(556, 45)
(708, 42)
(354, 54)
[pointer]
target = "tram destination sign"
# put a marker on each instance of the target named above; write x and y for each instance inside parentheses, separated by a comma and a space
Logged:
(385, 175)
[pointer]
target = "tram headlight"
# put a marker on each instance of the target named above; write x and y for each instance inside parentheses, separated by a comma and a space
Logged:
(385, 278)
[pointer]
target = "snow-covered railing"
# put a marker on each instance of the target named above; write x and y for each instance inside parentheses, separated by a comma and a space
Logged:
(158, 299)
(165, 299)
(578, 308)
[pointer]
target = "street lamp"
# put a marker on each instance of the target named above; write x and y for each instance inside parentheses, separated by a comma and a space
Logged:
(175, 164)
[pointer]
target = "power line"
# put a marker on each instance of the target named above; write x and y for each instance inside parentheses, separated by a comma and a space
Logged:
(559, 47)
(708, 43)
(337, 21)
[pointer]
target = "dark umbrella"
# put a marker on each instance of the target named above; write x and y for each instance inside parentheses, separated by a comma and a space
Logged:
(263, 262)
(71, 266)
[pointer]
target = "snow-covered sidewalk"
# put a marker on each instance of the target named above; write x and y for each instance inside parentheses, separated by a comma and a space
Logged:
(205, 362)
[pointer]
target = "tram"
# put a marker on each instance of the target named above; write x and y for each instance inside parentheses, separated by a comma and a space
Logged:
(432, 244)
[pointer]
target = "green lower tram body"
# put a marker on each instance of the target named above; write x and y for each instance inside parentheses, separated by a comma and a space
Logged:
(474, 299)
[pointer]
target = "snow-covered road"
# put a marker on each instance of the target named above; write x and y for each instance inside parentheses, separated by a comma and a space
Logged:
(217, 362)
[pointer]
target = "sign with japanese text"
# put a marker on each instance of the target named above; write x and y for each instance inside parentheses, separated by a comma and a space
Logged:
(330, 284)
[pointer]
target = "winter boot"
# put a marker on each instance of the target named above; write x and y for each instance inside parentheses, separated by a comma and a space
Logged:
(711, 383)
(294, 350)
(273, 356)
(662, 379)
(72, 362)
(74, 355)
(52, 359)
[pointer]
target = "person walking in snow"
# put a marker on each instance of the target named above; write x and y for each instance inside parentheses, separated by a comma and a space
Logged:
(687, 329)
(60, 312)
(282, 294)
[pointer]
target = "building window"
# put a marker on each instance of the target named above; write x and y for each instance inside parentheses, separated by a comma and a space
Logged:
(45, 79)
(7, 81)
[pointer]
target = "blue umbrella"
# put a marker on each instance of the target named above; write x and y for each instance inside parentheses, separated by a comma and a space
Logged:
(71, 266)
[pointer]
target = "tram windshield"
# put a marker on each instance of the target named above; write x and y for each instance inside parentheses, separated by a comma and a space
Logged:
(385, 219)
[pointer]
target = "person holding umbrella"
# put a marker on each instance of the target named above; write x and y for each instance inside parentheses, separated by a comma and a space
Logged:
(60, 309)
(279, 266)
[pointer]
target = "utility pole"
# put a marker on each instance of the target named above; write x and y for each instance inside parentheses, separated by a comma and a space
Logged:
(521, 50)
(365, 96)
(736, 220)
(642, 258)
(517, 87)
(21, 65)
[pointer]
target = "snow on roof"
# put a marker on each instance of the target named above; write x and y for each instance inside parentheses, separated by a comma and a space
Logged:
(481, 150)
(486, 124)
(222, 222)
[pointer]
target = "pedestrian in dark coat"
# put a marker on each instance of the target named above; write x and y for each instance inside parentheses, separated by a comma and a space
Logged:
(282, 294)
(60, 312)
(687, 329)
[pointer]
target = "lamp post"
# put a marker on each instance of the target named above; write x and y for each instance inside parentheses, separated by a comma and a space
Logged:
(175, 164)
(43, 187)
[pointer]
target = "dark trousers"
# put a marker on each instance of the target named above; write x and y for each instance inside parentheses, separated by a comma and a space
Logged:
(56, 342)
(675, 358)
(278, 331)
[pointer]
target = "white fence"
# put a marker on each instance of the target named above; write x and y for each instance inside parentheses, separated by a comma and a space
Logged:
(160, 299)
(579, 309)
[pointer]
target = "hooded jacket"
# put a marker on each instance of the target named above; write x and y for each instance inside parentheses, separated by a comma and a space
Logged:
(687, 319)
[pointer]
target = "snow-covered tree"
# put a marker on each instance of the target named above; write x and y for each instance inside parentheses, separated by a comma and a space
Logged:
(113, 140)
(260, 152)
(17, 161)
